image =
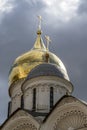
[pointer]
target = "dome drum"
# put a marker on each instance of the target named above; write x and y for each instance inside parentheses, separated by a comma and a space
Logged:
(43, 86)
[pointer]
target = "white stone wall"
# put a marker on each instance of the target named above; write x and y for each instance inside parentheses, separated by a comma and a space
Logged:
(28, 99)
(59, 91)
(42, 85)
(16, 94)
(42, 97)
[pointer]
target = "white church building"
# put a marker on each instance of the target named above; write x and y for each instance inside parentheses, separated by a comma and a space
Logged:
(41, 93)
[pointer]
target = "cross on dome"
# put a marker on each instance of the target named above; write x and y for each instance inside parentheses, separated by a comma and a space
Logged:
(40, 19)
(48, 40)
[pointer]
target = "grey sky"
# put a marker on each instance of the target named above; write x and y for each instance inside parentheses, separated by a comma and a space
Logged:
(64, 21)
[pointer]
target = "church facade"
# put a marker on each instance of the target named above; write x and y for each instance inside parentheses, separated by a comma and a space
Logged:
(41, 93)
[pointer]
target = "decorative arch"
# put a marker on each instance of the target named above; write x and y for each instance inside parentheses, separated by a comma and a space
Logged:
(69, 113)
(22, 123)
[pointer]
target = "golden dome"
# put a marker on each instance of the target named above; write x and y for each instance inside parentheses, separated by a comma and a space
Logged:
(26, 62)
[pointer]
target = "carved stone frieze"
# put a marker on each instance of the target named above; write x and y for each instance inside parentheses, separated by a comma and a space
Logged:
(74, 118)
(25, 126)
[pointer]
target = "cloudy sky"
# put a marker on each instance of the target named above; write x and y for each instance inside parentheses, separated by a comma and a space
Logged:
(65, 21)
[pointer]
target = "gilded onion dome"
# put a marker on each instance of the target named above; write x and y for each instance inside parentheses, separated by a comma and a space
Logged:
(36, 56)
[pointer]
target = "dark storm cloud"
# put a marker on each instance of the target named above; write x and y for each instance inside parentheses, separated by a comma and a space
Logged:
(69, 42)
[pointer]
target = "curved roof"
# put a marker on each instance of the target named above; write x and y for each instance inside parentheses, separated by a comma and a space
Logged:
(47, 69)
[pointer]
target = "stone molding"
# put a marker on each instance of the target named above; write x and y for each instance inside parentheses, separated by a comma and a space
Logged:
(48, 80)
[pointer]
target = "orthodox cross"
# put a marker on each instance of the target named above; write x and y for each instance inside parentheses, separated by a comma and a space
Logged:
(48, 40)
(40, 19)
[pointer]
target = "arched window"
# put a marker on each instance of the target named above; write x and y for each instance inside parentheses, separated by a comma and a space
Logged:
(51, 97)
(34, 98)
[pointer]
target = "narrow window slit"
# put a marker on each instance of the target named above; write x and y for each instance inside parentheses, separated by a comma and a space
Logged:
(51, 97)
(34, 98)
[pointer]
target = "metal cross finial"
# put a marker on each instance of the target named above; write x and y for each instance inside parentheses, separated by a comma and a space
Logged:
(40, 19)
(48, 40)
